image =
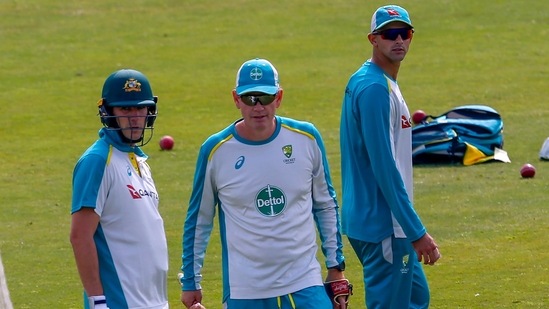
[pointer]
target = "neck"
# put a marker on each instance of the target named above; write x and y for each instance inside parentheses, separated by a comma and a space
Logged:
(255, 133)
(389, 67)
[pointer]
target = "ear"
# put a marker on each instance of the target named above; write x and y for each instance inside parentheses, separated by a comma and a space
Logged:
(236, 99)
(103, 113)
(279, 96)
(373, 39)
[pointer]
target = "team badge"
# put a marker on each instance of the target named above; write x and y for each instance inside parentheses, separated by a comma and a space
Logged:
(132, 84)
(405, 260)
(287, 150)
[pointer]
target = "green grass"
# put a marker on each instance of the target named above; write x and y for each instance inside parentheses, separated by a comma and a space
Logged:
(491, 225)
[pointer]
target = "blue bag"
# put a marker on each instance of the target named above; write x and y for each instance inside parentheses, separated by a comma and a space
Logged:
(468, 134)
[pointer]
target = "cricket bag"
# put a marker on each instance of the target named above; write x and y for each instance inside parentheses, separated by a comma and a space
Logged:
(467, 134)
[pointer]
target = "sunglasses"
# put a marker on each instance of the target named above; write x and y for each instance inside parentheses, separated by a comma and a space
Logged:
(392, 34)
(252, 100)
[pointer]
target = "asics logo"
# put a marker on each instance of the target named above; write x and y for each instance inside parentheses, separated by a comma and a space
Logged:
(239, 162)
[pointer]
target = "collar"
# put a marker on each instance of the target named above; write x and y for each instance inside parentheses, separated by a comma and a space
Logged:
(112, 137)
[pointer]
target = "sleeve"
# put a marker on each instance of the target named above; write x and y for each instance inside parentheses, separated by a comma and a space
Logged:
(86, 181)
(376, 119)
(198, 223)
(325, 206)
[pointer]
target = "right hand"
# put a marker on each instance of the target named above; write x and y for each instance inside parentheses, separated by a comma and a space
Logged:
(191, 298)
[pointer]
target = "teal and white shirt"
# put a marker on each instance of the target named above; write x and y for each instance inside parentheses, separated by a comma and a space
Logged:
(269, 196)
(114, 179)
(376, 159)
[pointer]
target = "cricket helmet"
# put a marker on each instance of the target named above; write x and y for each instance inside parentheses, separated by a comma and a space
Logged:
(126, 88)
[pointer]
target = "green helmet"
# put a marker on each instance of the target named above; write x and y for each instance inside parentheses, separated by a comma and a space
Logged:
(127, 88)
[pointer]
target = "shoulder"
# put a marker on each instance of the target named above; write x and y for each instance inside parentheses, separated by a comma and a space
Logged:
(97, 153)
(300, 127)
(215, 140)
(369, 77)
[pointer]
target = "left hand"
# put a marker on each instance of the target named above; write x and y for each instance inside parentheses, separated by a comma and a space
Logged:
(427, 250)
(339, 291)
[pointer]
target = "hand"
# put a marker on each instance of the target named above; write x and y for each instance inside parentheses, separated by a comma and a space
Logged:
(341, 303)
(191, 298)
(197, 306)
(339, 292)
(427, 249)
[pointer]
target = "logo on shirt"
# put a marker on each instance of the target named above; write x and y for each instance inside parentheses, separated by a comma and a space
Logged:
(287, 151)
(135, 195)
(239, 162)
(139, 194)
(270, 201)
(405, 122)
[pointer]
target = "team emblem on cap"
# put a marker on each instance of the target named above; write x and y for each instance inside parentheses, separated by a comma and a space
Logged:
(256, 73)
(392, 12)
(132, 84)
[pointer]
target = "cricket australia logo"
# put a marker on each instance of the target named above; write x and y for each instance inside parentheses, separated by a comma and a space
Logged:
(256, 74)
(132, 85)
(287, 151)
(405, 260)
(270, 201)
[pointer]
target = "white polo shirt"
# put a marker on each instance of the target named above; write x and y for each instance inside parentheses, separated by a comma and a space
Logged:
(130, 239)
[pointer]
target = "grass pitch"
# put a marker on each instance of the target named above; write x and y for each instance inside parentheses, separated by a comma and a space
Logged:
(491, 225)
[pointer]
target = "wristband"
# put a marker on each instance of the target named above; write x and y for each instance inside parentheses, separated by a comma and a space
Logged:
(98, 301)
(340, 267)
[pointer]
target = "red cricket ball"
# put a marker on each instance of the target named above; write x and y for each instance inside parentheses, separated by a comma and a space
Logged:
(419, 116)
(527, 171)
(166, 142)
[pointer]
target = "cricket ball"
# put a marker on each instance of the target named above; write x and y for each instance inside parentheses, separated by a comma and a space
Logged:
(527, 171)
(419, 116)
(166, 142)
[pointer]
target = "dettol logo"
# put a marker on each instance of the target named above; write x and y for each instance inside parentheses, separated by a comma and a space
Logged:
(270, 201)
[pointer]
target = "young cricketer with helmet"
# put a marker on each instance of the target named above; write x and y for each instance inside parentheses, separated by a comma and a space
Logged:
(117, 233)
